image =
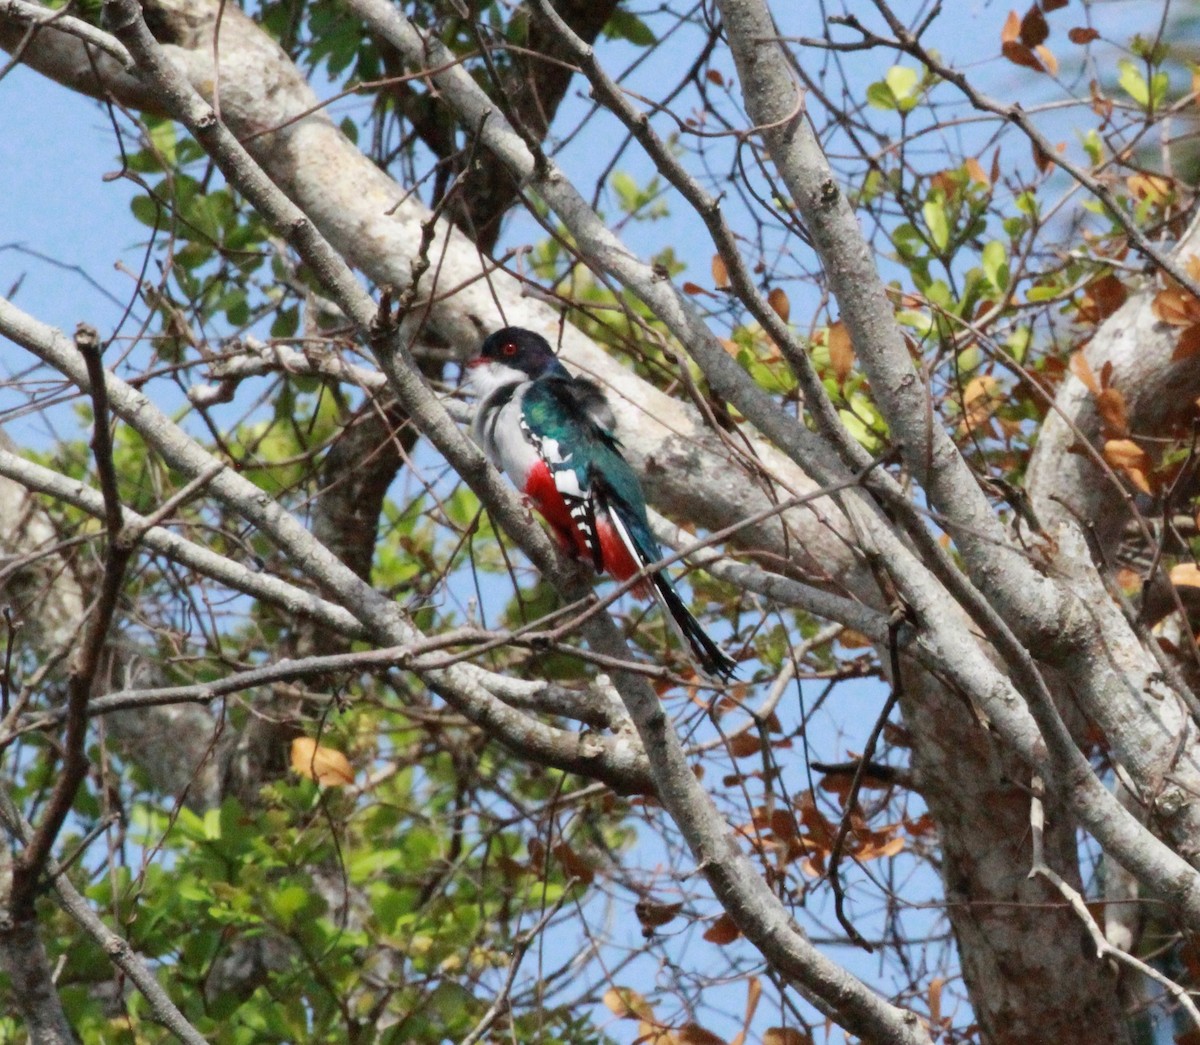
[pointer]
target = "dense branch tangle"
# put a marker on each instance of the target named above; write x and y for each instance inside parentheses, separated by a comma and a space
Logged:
(282, 486)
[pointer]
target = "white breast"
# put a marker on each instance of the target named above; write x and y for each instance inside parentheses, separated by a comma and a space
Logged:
(497, 427)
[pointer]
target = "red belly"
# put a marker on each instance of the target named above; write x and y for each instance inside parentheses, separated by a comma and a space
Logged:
(615, 557)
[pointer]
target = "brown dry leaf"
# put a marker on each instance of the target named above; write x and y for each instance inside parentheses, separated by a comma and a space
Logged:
(625, 1003)
(574, 864)
(695, 288)
(1053, 5)
(1034, 28)
(1110, 405)
(1041, 158)
(1186, 574)
(1081, 35)
(1101, 299)
(1102, 105)
(744, 745)
(713, 76)
(1019, 54)
(1175, 307)
(1187, 345)
(785, 1036)
(1082, 369)
(753, 993)
(653, 915)
(821, 833)
(326, 765)
(780, 305)
(720, 272)
(694, 1034)
(781, 822)
(722, 931)
(841, 351)
(975, 171)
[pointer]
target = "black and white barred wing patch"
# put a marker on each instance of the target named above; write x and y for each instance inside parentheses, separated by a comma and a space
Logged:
(578, 498)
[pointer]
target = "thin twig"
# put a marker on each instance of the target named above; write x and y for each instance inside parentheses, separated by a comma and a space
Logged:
(31, 861)
(898, 617)
(1104, 949)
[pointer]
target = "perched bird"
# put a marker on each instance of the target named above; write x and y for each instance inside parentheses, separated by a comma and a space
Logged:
(552, 435)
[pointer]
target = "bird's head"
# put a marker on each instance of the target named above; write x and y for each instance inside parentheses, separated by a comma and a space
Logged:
(515, 354)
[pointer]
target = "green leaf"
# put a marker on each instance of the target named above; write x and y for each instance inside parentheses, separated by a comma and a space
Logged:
(934, 213)
(995, 264)
(1133, 83)
(904, 84)
(626, 26)
(145, 210)
(627, 191)
(879, 95)
(162, 134)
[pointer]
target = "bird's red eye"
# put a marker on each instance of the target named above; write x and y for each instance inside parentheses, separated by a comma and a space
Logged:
(509, 349)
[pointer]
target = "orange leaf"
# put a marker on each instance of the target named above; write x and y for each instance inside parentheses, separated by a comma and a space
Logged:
(935, 998)
(722, 931)
(720, 272)
(1126, 456)
(871, 851)
(1186, 574)
(1110, 405)
(778, 300)
(1125, 453)
(975, 171)
(326, 765)
(1176, 307)
(1187, 345)
(1082, 35)
(848, 638)
(1046, 57)
(841, 351)
(1149, 186)
(1012, 28)
(979, 400)
(626, 1004)
(1083, 370)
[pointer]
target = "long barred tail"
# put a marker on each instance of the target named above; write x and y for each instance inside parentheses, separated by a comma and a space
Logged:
(709, 657)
